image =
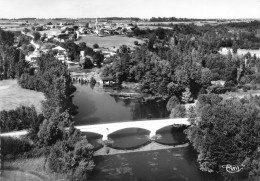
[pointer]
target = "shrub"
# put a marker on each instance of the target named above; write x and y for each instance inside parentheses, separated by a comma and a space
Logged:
(254, 87)
(76, 160)
(218, 89)
(246, 88)
(178, 112)
(18, 119)
(230, 84)
(49, 133)
(233, 89)
(172, 103)
(202, 91)
(186, 96)
(11, 147)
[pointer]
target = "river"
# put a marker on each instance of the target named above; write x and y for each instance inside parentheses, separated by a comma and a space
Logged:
(96, 106)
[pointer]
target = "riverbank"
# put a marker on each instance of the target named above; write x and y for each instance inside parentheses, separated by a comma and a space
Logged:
(12, 96)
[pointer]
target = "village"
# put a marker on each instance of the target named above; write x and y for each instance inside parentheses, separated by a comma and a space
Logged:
(52, 36)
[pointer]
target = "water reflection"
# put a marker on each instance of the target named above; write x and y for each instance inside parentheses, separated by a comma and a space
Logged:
(172, 135)
(94, 139)
(129, 138)
(178, 164)
(97, 106)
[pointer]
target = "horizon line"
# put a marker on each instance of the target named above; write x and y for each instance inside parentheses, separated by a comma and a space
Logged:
(130, 18)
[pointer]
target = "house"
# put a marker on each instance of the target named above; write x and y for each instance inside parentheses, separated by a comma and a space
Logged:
(60, 49)
(32, 57)
(218, 83)
(61, 57)
(106, 81)
(72, 65)
(225, 50)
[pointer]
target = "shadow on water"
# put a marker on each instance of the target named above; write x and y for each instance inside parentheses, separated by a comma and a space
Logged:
(172, 135)
(93, 139)
(130, 138)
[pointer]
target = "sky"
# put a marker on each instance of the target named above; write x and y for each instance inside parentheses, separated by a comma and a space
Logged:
(130, 8)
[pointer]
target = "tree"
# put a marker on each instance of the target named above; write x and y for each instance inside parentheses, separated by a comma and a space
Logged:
(73, 156)
(206, 77)
(36, 35)
(160, 32)
(87, 63)
(186, 95)
(63, 36)
(98, 58)
(49, 132)
(30, 48)
(26, 30)
(82, 46)
(178, 112)
(225, 132)
(172, 103)
(95, 46)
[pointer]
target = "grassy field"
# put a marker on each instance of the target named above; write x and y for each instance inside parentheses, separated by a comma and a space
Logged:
(31, 169)
(12, 96)
(108, 41)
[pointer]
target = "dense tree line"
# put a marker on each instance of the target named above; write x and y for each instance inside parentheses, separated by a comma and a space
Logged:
(21, 118)
(226, 132)
(66, 150)
(53, 79)
(185, 57)
(12, 63)
(167, 19)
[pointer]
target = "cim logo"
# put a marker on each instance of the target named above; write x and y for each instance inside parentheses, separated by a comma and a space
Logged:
(233, 168)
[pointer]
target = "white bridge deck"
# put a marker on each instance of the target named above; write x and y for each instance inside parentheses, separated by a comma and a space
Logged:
(108, 128)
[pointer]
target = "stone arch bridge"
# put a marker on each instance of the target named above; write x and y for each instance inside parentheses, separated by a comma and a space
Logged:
(80, 78)
(105, 129)
(150, 125)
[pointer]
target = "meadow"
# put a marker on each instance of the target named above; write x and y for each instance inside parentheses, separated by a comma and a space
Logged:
(12, 96)
(108, 41)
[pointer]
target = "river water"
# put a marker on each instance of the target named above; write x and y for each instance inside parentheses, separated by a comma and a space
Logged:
(96, 106)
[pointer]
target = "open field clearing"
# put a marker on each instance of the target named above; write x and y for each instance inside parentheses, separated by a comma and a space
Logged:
(153, 27)
(32, 169)
(50, 32)
(12, 96)
(108, 41)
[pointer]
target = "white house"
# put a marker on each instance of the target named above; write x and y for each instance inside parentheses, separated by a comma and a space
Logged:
(72, 65)
(59, 48)
(32, 57)
(225, 50)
